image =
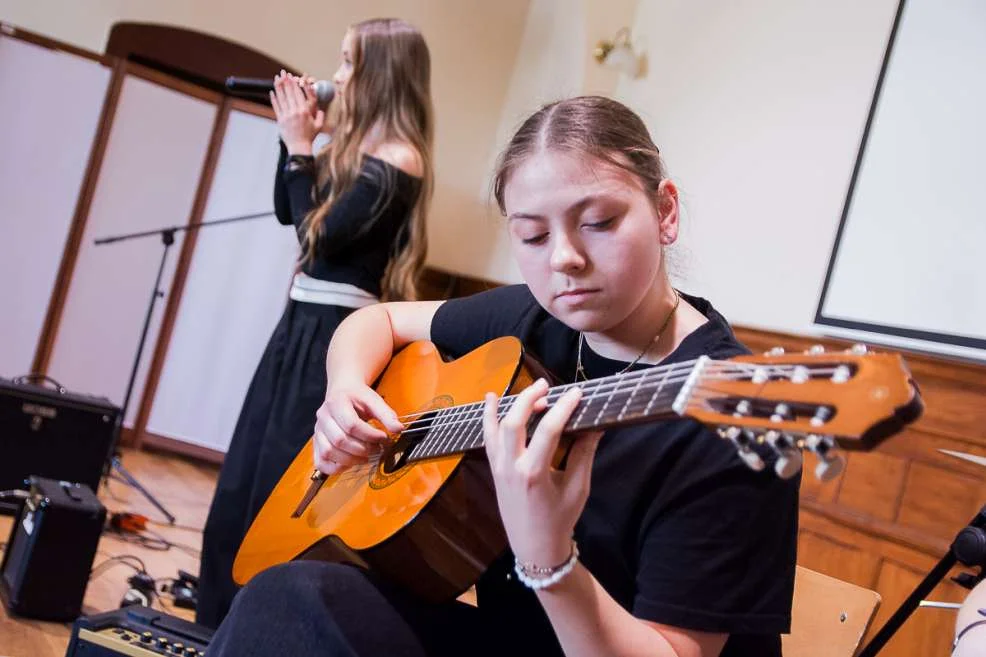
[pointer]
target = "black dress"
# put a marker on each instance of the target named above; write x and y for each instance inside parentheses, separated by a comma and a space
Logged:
(364, 228)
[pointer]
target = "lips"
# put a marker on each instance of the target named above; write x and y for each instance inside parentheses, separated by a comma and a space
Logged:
(576, 295)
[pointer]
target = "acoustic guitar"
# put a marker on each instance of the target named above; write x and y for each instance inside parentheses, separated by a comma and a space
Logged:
(423, 511)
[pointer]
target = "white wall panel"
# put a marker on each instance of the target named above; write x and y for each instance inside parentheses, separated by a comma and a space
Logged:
(236, 290)
(148, 180)
(45, 149)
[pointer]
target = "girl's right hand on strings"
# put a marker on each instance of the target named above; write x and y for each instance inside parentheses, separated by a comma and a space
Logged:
(344, 436)
(298, 115)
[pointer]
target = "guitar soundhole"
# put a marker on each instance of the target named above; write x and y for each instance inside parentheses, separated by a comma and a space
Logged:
(401, 452)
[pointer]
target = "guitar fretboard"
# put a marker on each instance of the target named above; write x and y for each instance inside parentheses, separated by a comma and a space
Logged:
(606, 402)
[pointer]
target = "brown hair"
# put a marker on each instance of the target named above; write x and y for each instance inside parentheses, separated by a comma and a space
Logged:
(390, 92)
(594, 126)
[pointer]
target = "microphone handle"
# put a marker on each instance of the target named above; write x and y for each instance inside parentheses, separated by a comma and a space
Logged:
(234, 83)
(322, 88)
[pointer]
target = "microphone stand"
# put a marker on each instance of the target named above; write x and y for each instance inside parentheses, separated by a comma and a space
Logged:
(167, 239)
(969, 549)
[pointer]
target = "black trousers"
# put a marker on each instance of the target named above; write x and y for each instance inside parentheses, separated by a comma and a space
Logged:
(332, 610)
(277, 419)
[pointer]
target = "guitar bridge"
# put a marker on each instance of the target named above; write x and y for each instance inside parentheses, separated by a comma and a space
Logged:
(318, 478)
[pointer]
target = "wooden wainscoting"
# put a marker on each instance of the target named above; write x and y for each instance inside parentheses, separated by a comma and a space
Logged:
(894, 512)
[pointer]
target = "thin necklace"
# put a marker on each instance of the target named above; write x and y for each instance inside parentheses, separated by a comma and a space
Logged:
(578, 359)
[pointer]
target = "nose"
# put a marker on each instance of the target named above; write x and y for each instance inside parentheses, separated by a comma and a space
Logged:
(566, 255)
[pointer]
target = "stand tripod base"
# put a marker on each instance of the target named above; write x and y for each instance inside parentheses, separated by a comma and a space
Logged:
(132, 481)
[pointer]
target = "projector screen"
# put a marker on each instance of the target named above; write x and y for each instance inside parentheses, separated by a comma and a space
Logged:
(908, 266)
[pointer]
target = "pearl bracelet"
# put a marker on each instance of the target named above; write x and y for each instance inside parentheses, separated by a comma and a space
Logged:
(540, 577)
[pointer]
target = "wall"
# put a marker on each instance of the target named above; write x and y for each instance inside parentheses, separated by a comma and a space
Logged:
(759, 106)
(473, 46)
(554, 60)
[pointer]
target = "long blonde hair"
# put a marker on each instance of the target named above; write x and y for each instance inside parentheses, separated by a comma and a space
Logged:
(390, 93)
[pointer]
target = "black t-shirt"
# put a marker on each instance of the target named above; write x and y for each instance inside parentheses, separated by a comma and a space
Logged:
(363, 230)
(677, 529)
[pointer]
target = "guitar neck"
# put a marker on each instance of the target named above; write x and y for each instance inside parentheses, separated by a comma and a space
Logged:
(607, 402)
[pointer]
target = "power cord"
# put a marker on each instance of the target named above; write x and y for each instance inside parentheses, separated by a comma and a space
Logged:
(132, 528)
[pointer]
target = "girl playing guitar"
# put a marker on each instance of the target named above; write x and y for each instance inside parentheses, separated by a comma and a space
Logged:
(654, 539)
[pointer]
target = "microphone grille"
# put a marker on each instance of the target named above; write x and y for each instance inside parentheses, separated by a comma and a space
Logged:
(324, 91)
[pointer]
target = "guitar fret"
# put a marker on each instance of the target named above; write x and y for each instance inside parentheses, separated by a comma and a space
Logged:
(462, 430)
(476, 427)
(449, 434)
(657, 393)
(585, 405)
(623, 410)
(439, 428)
(609, 398)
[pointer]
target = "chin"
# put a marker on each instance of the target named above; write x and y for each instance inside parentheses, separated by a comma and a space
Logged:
(584, 319)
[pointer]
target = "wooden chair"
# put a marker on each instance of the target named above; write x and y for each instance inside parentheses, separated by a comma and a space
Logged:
(829, 616)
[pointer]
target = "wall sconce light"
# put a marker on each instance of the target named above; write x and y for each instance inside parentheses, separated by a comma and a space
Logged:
(618, 53)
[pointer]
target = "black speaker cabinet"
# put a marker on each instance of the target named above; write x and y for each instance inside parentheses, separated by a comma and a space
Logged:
(50, 551)
(53, 433)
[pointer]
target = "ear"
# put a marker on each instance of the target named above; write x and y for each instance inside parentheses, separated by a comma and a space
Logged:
(667, 212)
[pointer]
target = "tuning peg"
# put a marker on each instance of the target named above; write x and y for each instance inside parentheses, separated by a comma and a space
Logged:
(822, 414)
(751, 459)
(830, 468)
(788, 464)
(775, 351)
(781, 412)
(789, 457)
(743, 441)
(858, 350)
(800, 374)
(815, 349)
(830, 462)
(841, 374)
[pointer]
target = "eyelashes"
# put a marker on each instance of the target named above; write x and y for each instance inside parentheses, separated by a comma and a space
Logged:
(596, 226)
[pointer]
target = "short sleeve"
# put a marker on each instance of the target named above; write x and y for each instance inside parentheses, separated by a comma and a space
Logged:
(718, 547)
(463, 324)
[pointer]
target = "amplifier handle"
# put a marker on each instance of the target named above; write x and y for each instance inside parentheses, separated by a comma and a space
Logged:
(41, 377)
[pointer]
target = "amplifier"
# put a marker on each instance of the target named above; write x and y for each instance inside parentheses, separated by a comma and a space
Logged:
(139, 632)
(49, 554)
(53, 433)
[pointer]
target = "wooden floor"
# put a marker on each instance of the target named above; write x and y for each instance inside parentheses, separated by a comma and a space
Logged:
(185, 488)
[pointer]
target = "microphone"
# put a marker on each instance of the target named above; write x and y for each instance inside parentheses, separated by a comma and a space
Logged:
(324, 91)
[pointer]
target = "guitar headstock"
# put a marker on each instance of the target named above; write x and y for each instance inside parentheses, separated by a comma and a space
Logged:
(816, 401)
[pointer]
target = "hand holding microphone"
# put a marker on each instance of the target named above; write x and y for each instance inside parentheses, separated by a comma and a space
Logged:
(298, 114)
(299, 104)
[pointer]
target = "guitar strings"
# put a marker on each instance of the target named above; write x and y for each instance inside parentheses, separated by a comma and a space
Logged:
(471, 414)
(366, 469)
(638, 378)
(467, 410)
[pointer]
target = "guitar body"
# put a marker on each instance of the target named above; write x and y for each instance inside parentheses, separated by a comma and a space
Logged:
(431, 526)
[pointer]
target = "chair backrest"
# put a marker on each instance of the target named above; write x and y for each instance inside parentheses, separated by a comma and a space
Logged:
(829, 616)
